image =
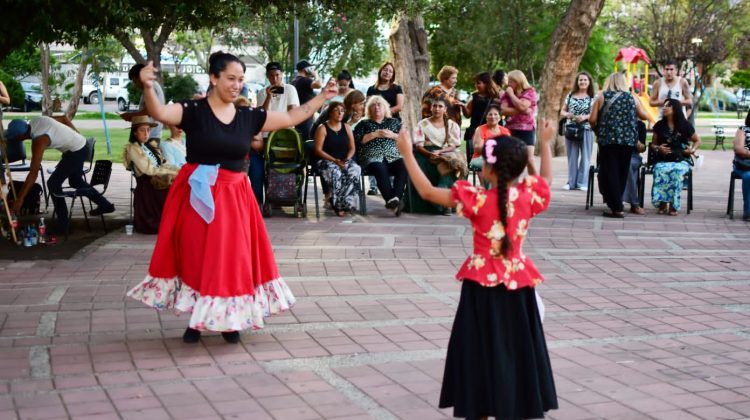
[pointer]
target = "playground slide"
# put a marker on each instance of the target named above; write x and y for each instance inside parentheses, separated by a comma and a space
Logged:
(652, 112)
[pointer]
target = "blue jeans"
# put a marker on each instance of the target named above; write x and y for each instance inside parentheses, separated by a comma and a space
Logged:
(745, 175)
(579, 160)
(257, 175)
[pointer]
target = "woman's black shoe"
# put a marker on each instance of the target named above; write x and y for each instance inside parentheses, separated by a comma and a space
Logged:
(191, 335)
(231, 337)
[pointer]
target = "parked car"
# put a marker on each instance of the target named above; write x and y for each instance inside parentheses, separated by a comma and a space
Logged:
(109, 86)
(123, 98)
(32, 96)
(743, 99)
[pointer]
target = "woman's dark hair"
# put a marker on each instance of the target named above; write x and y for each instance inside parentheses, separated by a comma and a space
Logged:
(498, 77)
(151, 144)
(681, 123)
(590, 91)
(511, 157)
(218, 61)
(747, 119)
(345, 75)
(491, 89)
(446, 122)
(351, 98)
(393, 79)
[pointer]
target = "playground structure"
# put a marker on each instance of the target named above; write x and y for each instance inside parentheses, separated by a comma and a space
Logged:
(631, 56)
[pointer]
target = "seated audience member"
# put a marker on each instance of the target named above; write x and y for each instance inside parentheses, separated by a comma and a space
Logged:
(742, 164)
(630, 196)
(173, 148)
(437, 140)
(334, 147)
(153, 175)
(671, 144)
(56, 133)
(490, 130)
(376, 136)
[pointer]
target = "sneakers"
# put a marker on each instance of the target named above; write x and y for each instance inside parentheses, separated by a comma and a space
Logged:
(583, 188)
(392, 204)
(566, 187)
(102, 210)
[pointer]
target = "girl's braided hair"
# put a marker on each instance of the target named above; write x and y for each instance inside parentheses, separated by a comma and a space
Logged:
(508, 157)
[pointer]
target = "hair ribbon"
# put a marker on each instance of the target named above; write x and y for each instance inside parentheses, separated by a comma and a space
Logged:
(489, 151)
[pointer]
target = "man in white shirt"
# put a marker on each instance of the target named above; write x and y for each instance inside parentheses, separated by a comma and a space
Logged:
(671, 86)
(277, 96)
(56, 133)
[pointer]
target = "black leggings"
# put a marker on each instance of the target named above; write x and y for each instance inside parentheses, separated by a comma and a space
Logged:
(383, 171)
(614, 165)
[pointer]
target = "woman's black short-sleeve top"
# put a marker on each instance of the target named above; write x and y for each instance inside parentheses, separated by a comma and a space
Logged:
(210, 141)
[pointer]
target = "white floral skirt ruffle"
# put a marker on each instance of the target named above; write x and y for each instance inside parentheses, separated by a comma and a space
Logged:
(215, 313)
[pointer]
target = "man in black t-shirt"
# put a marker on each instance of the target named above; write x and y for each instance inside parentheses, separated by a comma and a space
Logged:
(307, 79)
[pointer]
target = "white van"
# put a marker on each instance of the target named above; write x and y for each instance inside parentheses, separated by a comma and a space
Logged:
(109, 85)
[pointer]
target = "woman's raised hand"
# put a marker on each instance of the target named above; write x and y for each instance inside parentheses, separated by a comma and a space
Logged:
(148, 75)
(330, 89)
(548, 131)
(404, 144)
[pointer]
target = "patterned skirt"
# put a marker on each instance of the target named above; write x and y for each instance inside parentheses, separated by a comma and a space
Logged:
(668, 177)
(344, 184)
(224, 272)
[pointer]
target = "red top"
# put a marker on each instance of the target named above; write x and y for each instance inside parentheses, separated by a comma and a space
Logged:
(486, 265)
(486, 134)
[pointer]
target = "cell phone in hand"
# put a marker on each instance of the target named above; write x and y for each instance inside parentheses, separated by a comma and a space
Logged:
(277, 89)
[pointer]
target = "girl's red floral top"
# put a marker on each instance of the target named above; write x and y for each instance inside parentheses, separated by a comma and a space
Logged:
(486, 265)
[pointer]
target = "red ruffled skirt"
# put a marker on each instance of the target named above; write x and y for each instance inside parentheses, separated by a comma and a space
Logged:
(224, 272)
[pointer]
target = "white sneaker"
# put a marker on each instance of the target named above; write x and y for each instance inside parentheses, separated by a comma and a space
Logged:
(566, 187)
(584, 188)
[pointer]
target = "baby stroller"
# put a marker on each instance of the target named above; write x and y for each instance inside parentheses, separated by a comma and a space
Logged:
(285, 171)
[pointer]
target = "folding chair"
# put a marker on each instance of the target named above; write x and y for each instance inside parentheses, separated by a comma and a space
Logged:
(16, 155)
(102, 172)
(730, 200)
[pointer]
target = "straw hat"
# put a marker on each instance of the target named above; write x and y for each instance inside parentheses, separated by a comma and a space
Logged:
(142, 120)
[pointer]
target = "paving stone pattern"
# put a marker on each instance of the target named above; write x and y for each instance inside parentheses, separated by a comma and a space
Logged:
(647, 317)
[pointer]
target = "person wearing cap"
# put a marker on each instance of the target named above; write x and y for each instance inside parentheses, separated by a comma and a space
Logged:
(152, 173)
(56, 133)
(128, 116)
(277, 96)
(307, 79)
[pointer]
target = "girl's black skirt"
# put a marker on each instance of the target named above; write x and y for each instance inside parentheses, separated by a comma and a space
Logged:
(497, 363)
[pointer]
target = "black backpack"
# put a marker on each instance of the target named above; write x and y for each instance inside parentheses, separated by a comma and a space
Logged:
(33, 202)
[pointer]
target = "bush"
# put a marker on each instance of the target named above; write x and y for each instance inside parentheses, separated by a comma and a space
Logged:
(179, 87)
(15, 90)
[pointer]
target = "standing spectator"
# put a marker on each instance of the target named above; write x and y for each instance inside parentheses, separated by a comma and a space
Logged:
(345, 85)
(387, 88)
(173, 148)
(128, 116)
(477, 107)
(377, 136)
(671, 86)
(213, 257)
(278, 97)
(500, 79)
(672, 135)
(448, 77)
(613, 114)
(59, 134)
(307, 79)
(742, 164)
(4, 100)
(576, 109)
(334, 146)
(518, 104)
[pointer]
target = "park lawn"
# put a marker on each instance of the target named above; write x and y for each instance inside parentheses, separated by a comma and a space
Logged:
(118, 138)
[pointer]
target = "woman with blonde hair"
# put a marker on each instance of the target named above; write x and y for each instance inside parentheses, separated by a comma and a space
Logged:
(518, 104)
(613, 115)
(376, 136)
(448, 77)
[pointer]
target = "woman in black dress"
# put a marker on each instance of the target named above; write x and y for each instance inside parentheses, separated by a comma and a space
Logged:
(388, 89)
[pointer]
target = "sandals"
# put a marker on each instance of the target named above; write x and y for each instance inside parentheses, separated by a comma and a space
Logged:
(637, 210)
(667, 209)
(613, 214)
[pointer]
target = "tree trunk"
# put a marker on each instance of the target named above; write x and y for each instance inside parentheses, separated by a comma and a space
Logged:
(46, 99)
(75, 98)
(569, 42)
(411, 59)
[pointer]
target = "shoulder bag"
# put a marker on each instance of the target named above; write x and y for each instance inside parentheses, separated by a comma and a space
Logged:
(604, 110)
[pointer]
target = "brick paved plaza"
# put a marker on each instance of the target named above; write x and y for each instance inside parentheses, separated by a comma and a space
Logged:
(647, 317)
